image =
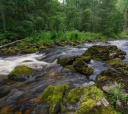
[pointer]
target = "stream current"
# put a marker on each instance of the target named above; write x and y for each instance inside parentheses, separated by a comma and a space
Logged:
(20, 96)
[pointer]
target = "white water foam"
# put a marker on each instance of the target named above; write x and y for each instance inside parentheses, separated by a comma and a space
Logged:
(30, 60)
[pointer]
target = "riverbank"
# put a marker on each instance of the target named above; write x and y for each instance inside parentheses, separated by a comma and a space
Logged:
(44, 40)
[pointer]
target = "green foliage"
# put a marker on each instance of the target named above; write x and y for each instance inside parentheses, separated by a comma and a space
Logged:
(10, 35)
(4, 41)
(94, 19)
(117, 93)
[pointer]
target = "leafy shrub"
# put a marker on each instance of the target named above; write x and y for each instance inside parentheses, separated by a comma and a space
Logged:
(117, 93)
(4, 41)
(10, 35)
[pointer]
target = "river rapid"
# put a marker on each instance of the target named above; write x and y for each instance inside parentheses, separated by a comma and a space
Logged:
(22, 96)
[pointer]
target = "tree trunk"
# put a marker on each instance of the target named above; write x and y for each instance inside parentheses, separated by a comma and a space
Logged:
(3, 18)
(125, 26)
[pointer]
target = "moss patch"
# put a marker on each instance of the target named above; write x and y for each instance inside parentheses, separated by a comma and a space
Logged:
(70, 67)
(47, 94)
(114, 62)
(20, 71)
(82, 67)
(75, 95)
(98, 52)
(91, 102)
(55, 97)
(30, 50)
(42, 48)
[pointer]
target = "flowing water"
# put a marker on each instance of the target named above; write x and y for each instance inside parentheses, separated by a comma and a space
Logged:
(21, 96)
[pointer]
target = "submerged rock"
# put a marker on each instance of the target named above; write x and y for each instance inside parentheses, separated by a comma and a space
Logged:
(20, 73)
(99, 52)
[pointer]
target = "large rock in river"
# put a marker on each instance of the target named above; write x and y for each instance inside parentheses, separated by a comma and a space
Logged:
(80, 100)
(20, 73)
(116, 78)
(77, 64)
(99, 52)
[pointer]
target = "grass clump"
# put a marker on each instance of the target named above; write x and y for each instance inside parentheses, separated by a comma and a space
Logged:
(117, 94)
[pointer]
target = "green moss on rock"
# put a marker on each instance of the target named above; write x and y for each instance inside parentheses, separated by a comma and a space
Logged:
(20, 71)
(4, 49)
(98, 52)
(75, 95)
(92, 102)
(55, 99)
(63, 61)
(70, 67)
(42, 48)
(30, 50)
(114, 62)
(47, 94)
(82, 67)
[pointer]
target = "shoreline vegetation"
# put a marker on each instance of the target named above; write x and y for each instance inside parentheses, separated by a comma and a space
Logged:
(43, 40)
(40, 38)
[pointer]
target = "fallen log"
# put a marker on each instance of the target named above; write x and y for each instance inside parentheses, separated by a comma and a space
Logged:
(11, 43)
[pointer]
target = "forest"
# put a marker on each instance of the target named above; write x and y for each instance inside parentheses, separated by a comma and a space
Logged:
(50, 20)
(63, 56)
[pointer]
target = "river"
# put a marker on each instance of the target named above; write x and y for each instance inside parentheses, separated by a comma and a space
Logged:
(21, 96)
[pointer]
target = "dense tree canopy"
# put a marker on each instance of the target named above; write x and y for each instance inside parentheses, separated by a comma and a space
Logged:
(19, 18)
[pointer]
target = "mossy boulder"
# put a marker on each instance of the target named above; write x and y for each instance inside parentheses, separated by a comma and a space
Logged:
(54, 96)
(30, 50)
(99, 52)
(48, 45)
(61, 43)
(4, 49)
(80, 100)
(71, 68)
(77, 64)
(42, 48)
(20, 73)
(82, 67)
(94, 102)
(72, 43)
(112, 78)
(75, 95)
(87, 100)
(8, 52)
(67, 60)
(114, 62)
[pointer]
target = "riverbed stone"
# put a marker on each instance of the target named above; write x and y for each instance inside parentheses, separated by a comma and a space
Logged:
(20, 73)
(103, 53)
